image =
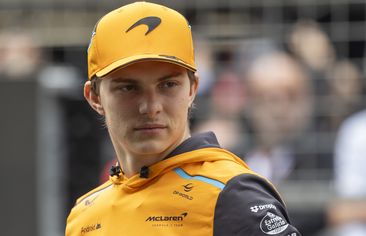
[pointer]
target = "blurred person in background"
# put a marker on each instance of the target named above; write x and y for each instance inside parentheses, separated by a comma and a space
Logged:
(204, 59)
(311, 46)
(337, 98)
(313, 49)
(226, 104)
(279, 110)
(345, 91)
(347, 215)
(20, 56)
(143, 82)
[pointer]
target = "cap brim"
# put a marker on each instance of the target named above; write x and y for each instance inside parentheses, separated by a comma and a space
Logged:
(139, 58)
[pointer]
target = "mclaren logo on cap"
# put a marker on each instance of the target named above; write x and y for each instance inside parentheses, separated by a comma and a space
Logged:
(151, 21)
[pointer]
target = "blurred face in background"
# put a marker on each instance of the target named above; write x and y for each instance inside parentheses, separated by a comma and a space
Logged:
(279, 99)
(228, 95)
(312, 45)
(345, 82)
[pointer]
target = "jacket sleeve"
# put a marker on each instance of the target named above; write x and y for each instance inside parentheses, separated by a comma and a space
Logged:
(250, 206)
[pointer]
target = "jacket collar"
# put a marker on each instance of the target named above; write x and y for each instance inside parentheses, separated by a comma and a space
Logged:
(198, 148)
(198, 141)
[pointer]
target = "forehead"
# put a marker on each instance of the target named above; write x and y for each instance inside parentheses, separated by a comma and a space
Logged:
(146, 69)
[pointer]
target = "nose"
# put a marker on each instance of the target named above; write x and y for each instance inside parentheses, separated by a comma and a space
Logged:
(150, 104)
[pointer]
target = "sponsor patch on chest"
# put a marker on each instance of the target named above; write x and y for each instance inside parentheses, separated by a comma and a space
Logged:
(167, 220)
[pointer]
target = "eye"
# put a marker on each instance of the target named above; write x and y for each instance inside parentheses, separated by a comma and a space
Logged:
(169, 84)
(127, 87)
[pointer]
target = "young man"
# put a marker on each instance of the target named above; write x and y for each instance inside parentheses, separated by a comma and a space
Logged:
(142, 81)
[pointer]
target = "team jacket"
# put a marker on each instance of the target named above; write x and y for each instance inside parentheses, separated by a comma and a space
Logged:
(200, 189)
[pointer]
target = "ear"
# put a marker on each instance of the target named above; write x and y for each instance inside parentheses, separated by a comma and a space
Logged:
(194, 88)
(93, 99)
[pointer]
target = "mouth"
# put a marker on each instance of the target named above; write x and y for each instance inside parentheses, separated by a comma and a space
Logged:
(150, 127)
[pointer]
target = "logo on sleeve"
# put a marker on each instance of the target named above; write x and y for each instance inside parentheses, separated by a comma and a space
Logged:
(88, 201)
(273, 224)
(257, 208)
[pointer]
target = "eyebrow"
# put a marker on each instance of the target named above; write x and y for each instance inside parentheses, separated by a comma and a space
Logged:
(123, 80)
(171, 75)
(134, 81)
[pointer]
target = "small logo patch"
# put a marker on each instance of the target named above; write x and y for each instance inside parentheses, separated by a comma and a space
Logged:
(88, 202)
(257, 208)
(188, 187)
(273, 224)
(90, 228)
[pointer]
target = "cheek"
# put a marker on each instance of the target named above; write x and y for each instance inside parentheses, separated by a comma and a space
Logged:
(115, 113)
(179, 109)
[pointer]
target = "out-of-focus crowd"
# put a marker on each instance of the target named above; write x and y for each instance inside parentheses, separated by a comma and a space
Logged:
(292, 111)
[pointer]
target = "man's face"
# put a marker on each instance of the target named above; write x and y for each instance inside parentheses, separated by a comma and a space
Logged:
(146, 106)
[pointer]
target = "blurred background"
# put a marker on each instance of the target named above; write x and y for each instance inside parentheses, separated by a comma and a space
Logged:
(282, 85)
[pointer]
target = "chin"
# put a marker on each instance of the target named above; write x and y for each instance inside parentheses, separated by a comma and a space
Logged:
(150, 148)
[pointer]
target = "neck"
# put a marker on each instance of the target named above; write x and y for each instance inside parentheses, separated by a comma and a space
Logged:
(132, 163)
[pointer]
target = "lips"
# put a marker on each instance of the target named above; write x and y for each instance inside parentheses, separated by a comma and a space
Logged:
(150, 127)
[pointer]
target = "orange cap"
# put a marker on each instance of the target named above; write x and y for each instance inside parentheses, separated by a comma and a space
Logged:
(137, 32)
